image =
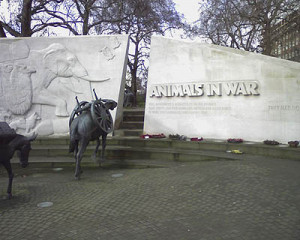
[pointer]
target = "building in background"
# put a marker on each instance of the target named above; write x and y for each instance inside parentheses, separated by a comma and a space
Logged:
(286, 38)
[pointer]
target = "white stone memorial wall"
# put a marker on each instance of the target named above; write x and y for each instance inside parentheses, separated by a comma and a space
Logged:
(204, 90)
(40, 77)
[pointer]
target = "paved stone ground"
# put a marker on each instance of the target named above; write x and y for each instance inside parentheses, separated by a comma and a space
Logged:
(255, 199)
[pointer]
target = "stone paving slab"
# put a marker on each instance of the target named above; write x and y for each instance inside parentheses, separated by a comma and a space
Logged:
(255, 199)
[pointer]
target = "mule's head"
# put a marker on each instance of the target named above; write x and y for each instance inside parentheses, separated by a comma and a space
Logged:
(24, 154)
(110, 104)
(24, 149)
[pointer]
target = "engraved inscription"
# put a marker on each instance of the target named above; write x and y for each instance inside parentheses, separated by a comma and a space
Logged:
(284, 108)
(243, 88)
(193, 108)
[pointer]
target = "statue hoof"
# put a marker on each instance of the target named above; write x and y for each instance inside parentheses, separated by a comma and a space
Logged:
(94, 158)
(77, 178)
(9, 196)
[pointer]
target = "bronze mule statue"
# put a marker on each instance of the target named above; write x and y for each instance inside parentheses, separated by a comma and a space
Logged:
(10, 142)
(88, 122)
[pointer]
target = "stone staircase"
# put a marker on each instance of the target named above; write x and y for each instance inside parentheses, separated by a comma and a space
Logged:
(133, 123)
(127, 148)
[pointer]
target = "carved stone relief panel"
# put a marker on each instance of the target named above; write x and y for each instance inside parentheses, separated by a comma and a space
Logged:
(40, 77)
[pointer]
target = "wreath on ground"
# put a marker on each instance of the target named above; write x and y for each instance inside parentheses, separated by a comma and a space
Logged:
(235, 140)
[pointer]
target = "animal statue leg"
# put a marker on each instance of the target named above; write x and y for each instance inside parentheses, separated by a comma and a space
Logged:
(75, 149)
(79, 156)
(8, 168)
(102, 159)
(94, 156)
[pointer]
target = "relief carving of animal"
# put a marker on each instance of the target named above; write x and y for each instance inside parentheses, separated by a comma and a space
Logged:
(52, 62)
(28, 123)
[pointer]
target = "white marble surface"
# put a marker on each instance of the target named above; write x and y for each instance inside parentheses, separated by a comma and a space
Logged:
(40, 78)
(198, 89)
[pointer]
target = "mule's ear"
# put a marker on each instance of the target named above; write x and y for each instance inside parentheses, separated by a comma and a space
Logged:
(33, 137)
(111, 104)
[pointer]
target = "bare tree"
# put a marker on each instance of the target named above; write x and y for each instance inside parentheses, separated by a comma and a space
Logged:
(137, 18)
(242, 24)
(142, 19)
(80, 17)
(83, 17)
(25, 18)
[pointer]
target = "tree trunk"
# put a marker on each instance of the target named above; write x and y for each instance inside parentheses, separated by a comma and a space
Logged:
(26, 19)
(133, 86)
(85, 25)
(2, 32)
(267, 43)
(133, 71)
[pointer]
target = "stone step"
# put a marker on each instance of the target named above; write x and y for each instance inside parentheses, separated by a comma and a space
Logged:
(280, 151)
(49, 153)
(132, 125)
(134, 112)
(133, 118)
(128, 132)
(59, 154)
(119, 163)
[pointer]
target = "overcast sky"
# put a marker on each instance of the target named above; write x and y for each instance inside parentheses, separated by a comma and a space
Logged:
(189, 8)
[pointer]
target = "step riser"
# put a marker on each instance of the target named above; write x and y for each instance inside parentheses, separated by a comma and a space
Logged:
(127, 113)
(128, 132)
(133, 133)
(148, 154)
(255, 149)
(132, 125)
(271, 151)
(124, 154)
(137, 118)
(133, 119)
